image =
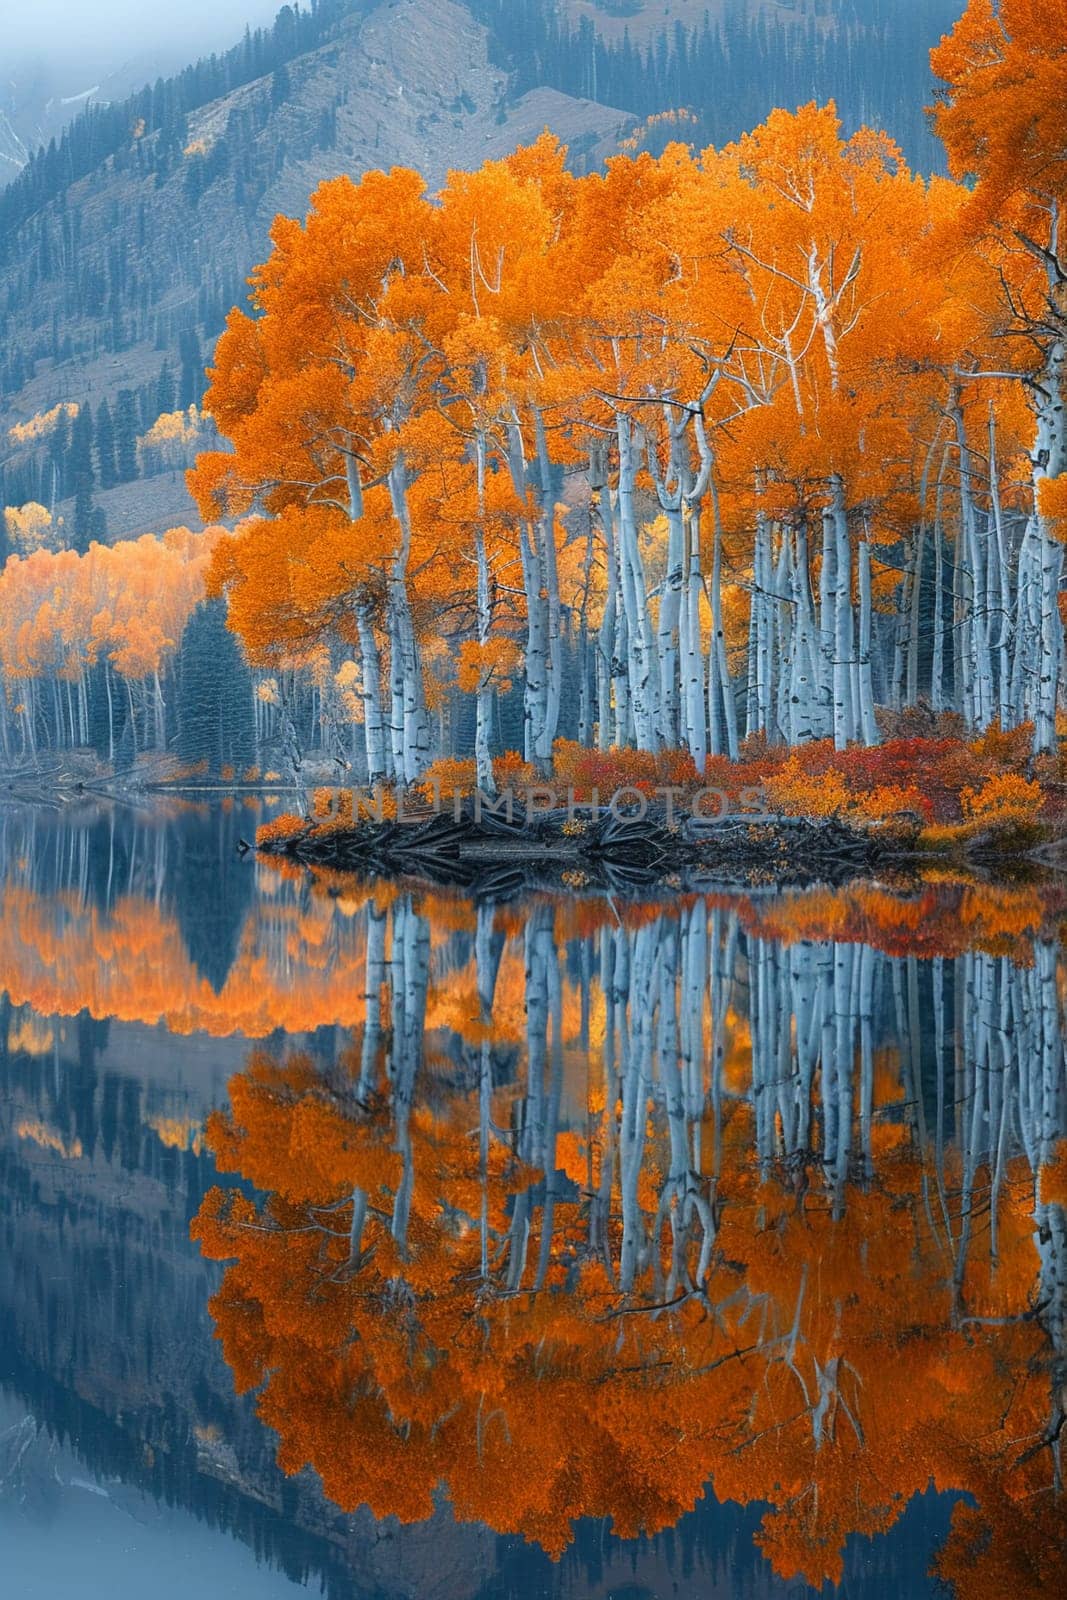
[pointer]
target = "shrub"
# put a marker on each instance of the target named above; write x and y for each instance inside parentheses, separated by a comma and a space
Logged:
(1006, 749)
(920, 721)
(447, 778)
(796, 792)
(608, 771)
(1006, 795)
(1004, 833)
(896, 800)
(332, 808)
(286, 826)
(511, 771)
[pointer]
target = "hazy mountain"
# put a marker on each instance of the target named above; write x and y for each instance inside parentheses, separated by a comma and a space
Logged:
(131, 267)
(39, 98)
(60, 56)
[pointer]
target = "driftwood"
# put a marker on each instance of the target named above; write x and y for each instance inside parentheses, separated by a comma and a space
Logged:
(494, 855)
(51, 787)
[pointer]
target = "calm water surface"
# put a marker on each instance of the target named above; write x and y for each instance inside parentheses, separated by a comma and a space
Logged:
(372, 1240)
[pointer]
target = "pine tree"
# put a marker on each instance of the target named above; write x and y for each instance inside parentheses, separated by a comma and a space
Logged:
(83, 477)
(84, 510)
(166, 393)
(81, 448)
(126, 427)
(216, 721)
(191, 387)
(105, 447)
(279, 86)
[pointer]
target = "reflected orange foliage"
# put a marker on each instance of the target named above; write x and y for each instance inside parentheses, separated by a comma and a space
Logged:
(833, 1379)
(430, 1295)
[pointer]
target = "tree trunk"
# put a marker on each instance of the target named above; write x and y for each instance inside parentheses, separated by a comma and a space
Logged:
(720, 683)
(412, 740)
(371, 676)
(843, 634)
(483, 761)
(868, 726)
(643, 684)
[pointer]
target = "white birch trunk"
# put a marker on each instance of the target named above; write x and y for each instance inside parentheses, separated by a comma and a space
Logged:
(843, 628)
(868, 728)
(411, 741)
(643, 682)
(535, 664)
(378, 764)
(483, 762)
(550, 570)
(1049, 462)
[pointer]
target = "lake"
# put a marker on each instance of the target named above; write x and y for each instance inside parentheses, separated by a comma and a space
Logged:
(361, 1237)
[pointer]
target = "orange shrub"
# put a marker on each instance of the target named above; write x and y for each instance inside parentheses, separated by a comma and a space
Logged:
(286, 826)
(447, 778)
(1005, 748)
(607, 771)
(512, 772)
(332, 808)
(797, 792)
(1006, 795)
(894, 800)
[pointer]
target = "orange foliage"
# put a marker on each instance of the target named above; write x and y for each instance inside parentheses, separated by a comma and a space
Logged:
(1006, 795)
(556, 1395)
(409, 361)
(127, 603)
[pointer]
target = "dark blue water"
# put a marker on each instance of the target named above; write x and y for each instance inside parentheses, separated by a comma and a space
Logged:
(798, 1082)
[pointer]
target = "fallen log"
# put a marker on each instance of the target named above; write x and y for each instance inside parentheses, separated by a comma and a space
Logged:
(626, 851)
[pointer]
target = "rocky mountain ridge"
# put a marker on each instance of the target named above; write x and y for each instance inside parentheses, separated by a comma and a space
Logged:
(154, 244)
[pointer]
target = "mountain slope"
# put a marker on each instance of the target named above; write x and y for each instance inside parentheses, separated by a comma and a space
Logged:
(729, 62)
(644, 19)
(59, 56)
(136, 263)
(37, 103)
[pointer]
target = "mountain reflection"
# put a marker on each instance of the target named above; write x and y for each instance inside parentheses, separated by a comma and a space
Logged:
(561, 1209)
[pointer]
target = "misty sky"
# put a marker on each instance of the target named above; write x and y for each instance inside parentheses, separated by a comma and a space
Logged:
(107, 33)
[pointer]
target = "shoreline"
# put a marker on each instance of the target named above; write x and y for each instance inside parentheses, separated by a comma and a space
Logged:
(489, 855)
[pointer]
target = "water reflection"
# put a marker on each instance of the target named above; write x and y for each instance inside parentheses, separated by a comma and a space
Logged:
(570, 1209)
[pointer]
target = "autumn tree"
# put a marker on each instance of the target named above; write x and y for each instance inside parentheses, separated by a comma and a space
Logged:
(707, 441)
(96, 655)
(1003, 123)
